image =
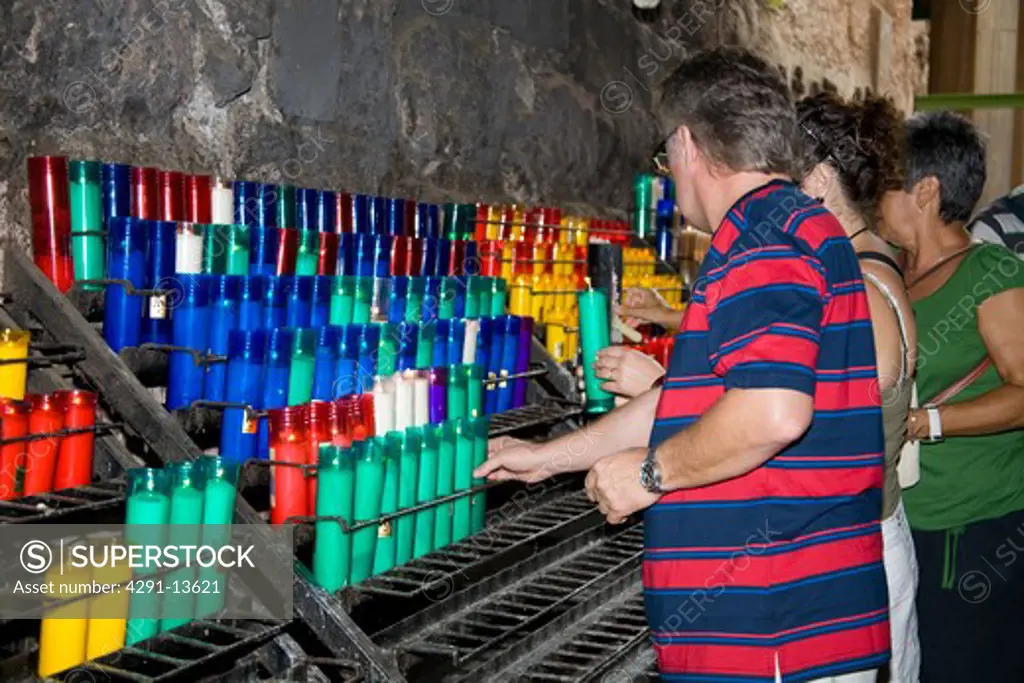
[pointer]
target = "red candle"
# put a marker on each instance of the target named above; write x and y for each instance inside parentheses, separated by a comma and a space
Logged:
(415, 256)
(74, 459)
(400, 248)
(327, 259)
(552, 220)
(170, 196)
(490, 258)
(343, 221)
(288, 496)
(49, 200)
(13, 424)
(340, 432)
(409, 226)
(542, 258)
(46, 415)
(358, 415)
(523, 254)
(287, 251)
(480, 231)
(580, 267)
(457, 258)
(534, 219)
(366, 407)
(144, 193)
(318, 416)
(198, 197)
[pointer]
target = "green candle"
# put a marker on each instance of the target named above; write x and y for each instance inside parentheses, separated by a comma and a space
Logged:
(414, 299)
(300, 373)
(456, 392)
(484, 295)
(384, 555)
(219, 491)
(308, 253)
(498, 293)
(425, 344)
(226, 249)
(463, 477)
(445, 484)
(332, 549)
(369, 489)
(387, 350)
(478, 426)
(408, 477)
(342, 300)
(449, 291)
(186, 518)
(474, 389)
(363, 302)
(286, 206)
(426, 489)
(473, 284)
(148, 503)
(594, 336)
(87, 250)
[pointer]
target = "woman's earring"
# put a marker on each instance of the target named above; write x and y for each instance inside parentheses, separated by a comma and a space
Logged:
(820, 200)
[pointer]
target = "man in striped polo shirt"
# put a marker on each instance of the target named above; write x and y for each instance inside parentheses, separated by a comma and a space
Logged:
(759, 460)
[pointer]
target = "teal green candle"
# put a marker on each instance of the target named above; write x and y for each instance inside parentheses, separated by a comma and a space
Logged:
(426, 489)
(186, 518)
(478, 427)
(498, 294)
(219, 480)
(408, 477)
(384, 554)
(473, 284)
(474, 389)
(484, 295)
(88, 255)
(236, 254)
(445, 484)
(369, 489)
(148, 503)
(463, 479)
(414, 299)
(456, 392)
(308, 253)
(332, 548)
(387, 350)
(363, 304)
(225, 249)
(594, 336)
(342, 300)
(301, 370)
(446, 307)
(425, 345)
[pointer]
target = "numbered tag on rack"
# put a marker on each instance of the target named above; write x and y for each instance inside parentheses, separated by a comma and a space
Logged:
(158, 307)
(491, 385)
(384, 530)
(250, 423)
(503, 384)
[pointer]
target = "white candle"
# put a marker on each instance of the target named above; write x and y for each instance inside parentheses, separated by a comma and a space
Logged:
(222, 200)
(405, 409)
(188, 249)
(421, 399)
(383, 405)
(469, 344)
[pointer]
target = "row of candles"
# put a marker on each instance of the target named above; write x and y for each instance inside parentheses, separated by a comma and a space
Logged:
(73, 202)
(198, 496)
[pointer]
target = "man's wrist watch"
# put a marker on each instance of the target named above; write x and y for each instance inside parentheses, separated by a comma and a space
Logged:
(650, 473)
(934, 424)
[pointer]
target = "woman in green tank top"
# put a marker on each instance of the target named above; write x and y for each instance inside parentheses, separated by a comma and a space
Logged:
(966, 510)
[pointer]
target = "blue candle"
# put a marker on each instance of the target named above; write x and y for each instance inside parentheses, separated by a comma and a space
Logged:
(348, 359)
(461, 287)
(305, 209)
(494, 359)
(326, 210)
(378, 215)
(364, 254)
(369, 341)
(224, 309)
(255, 204)
(395, 216)
(252, 290)
(275, 382)
(156, 318)
(471, 260)
(427, 221)
(275, 301)
(665, 223)
(299, 307)
(435, 257)
(263, 245)
(126, 260)
(324, 378)
(523, 360)
(347, 246)
(382, 255)
(117, 191)
(397, 298)
(432, 298)
(361, 213)
(191, 330)
(456, 340)
(442, 330)
(323, 287)
(509, 359)
(246, 351)
(407, 337)
(484, 350)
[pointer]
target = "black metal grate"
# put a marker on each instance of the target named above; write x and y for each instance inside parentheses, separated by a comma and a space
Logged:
(79, 505)
(547, 411)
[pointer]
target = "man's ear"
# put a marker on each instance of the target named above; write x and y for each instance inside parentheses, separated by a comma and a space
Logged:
(926, 191)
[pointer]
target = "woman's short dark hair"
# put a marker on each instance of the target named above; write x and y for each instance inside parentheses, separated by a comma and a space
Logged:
(861, 141)
(947, 146)
(738, 110)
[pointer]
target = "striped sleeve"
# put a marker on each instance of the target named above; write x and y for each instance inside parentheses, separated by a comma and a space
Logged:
(764, 323)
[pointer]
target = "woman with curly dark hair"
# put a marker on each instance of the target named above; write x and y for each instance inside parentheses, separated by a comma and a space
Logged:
(853, 157)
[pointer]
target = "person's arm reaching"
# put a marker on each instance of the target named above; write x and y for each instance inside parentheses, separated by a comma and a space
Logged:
(648, 306)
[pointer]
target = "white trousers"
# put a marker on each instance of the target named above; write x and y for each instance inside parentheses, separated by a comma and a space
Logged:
(901, 576)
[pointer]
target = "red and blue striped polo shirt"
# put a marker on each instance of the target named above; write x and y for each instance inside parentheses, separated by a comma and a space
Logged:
(784, 563)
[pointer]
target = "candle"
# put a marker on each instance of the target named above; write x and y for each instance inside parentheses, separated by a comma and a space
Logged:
(382, 256)
(105, 631)
(251, 295)
(426, 335)
(366, 370)
(148, 504)
(226, 249)
(524, 348)
(327, 253)
(287, 206)
(665, 228)
(497, 297)
(63, 631)
(332, 548)
(426, 490)
(299, 306)
(48, 196)
(326, 363)
(594, 336)
(494, 358)
(246, 349)
(369, 468)
(186, 516)
(478, 429)
(198, 189)
(408, 334)
(308, 255)
(474, 389)
(264, 245)
(188, 248)
(463, 477)
(225, 300)
(219, 492)
(363, 301)
(361, 213)
(255, 204)
(14, 416)
(74, 458)
(87, 250)
(404, 402)
(443, 331)
(522, 296)
(287, 251)
(116, 181)
(326, 218)
(13, 347)
(303, 363)
(222, 198)
(379, 299)
(159, 273)
(170, 199)
(191, 330)
(470, 342)
(342, 300)
(509, 359)
(275, 381)
(288, 444)
(408, 472)
(275, 301)
(305, 210)
(474, 284)
(385, 393)
(384, 552)
(438, 401)
(378, 215)
(445, 483)
(126, 260)
(456, 257)
(348, 350)
(421, 398)
(457, 405)
(387, 352)
(398, 294)
(401, 251)
(144, 193)
(446, 304)
(456, 341)
(319, 432)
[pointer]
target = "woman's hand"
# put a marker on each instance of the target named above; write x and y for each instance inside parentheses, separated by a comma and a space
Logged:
(647, 305)
(628, 371)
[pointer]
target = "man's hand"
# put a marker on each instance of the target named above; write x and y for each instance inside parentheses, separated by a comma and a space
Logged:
(614, 484)
(509, 458)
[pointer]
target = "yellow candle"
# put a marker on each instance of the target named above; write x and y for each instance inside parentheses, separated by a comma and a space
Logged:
(508, 258)
(555, 338)
(521, 299)
(63, 630)
(539, 297)
(518, 223)
(108, 613)
(583, 234)
(13, 346)
(494, 216)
